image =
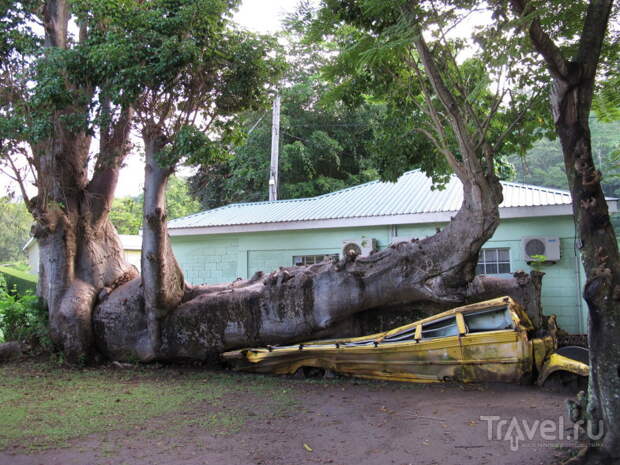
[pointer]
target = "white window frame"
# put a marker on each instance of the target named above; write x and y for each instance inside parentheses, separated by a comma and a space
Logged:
(486, 262)
(312, 259)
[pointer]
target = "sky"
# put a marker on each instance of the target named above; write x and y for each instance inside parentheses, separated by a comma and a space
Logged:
(263, 16)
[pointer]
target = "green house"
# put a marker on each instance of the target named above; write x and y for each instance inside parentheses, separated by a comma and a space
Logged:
(237, 240)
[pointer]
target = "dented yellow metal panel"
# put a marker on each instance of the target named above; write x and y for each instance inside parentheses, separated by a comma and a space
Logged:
(406, 353)
(557, 362)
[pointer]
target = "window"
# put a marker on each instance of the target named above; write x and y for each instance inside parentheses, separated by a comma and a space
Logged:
(441, 328)
(302, 260)
(489, 320)
(493, 261)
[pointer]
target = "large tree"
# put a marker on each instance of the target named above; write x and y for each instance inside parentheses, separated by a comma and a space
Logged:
(572, 53)
(51, 108)
(177, 72)
(294, 303)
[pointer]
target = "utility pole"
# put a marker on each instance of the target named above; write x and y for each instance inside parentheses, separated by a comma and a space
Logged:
(275, 150)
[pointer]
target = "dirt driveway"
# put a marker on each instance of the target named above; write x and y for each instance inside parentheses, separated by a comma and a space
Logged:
(330, 422)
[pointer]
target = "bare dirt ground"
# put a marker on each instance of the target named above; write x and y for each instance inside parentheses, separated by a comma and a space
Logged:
(329, 422)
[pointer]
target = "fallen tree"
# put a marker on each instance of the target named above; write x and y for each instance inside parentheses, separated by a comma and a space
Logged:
(300, 302)
(96, 302)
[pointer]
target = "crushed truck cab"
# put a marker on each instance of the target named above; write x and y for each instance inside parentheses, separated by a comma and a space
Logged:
(484, 342)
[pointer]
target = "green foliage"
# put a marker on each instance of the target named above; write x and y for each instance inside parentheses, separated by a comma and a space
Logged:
(538, 262)
(181, 64)
(543, 165)
(179, 203)
(18, 282)
(324, 145)
(15, 222)
(126, 214)
(22, 318)
(501, 107)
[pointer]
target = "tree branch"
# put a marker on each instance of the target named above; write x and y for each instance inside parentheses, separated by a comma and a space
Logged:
(593, 36)
(558, 65)
(449, 103)
(500, 140)
(432, 113)
(113, 150)
(20, 181)
(56, 20)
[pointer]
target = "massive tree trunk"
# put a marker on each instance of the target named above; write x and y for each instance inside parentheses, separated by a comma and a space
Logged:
(162, 280)
(81, 255)
(599, 252)
(571, 99)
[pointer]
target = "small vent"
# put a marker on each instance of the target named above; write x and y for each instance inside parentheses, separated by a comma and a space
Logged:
(535, 247)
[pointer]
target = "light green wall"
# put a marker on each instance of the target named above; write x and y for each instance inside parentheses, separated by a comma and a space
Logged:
(133, 257)
(224, 257)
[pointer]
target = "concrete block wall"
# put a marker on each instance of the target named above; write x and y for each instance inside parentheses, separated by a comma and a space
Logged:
(210, 261)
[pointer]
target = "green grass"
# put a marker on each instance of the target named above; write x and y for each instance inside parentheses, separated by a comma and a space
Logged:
(43, 406)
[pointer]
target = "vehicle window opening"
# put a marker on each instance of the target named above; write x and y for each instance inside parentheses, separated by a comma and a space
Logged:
(408, 334)
(442, 328)
(495, 319)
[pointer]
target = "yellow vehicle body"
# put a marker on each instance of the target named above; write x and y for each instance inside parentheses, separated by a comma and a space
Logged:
(487, 341)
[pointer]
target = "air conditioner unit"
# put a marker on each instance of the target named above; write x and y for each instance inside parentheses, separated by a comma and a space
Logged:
(361, 247)
(548, 247)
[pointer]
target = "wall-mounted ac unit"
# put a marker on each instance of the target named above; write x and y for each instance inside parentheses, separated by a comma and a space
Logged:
(360, 247)
(534, 247)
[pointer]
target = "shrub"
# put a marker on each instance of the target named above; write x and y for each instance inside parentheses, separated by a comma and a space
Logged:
(23, 318)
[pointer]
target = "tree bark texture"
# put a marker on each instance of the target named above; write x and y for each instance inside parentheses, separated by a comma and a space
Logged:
(599, 251)
(571, 100)
(162, 280)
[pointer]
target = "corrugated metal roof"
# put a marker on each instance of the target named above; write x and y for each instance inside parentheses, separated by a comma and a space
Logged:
(411, 194)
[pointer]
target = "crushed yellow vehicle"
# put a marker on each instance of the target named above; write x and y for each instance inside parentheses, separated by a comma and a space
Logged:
(487, 341)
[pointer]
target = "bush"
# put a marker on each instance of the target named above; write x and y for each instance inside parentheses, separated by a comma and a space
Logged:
(18, 282)
(23, 318)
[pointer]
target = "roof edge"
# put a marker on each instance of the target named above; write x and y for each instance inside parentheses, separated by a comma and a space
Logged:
(386, 220)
